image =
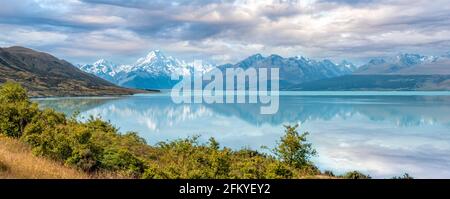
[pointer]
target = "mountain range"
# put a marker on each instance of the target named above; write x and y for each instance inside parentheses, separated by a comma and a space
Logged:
(407, 64)
(154, 70)
(402, 72)
(45, 75)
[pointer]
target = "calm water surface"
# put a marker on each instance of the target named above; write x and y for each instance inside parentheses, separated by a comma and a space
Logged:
(383, 134)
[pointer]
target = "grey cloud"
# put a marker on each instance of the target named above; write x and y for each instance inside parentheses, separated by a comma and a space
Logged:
(234, 29)
(156, 4)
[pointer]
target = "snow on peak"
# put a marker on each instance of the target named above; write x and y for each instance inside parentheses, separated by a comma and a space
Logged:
(157, 63)
(414, 59)
(154, 63)
(152, 56)
(100, 67)
(103, 62)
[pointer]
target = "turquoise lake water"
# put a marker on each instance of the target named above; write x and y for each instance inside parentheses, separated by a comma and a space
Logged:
(383, 134)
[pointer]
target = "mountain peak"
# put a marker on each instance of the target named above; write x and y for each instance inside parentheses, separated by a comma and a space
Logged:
(103, 62)
(347, 64)
(275, 56)
(410, 59)
(257, 56)
(251, 60)
(152, 56)
(102, 68)
(155, 54)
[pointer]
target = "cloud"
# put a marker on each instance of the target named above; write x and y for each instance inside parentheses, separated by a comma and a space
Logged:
(229, 30)
(29, 37)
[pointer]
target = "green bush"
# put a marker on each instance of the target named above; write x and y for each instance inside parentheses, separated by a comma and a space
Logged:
(11, 92)
(356, 175)
(96, 146)
(293, 148)
(329, 173)
(122, 160)
(278, 170)
(187, 158)
(16, 110)
(405, 176)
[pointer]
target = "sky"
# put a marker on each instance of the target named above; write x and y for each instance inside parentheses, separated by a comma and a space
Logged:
(226, 31)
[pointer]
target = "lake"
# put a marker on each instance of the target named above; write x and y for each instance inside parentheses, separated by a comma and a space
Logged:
(383, 134)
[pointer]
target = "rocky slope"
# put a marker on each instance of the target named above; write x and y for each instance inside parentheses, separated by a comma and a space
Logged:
(45, 75)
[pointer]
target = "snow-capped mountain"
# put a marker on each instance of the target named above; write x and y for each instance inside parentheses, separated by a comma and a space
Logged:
(157, 63)
(297, 69)
(101, 68)
(152, 71)
(407, 63)
(155, 69)
(344, 65)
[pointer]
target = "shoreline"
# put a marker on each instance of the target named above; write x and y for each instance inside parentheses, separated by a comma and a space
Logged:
(151, 91)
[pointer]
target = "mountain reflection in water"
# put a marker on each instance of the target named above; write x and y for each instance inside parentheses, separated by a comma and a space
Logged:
(380, 135)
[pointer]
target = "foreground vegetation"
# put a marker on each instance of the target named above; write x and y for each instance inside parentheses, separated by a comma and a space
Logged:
(94, 148)
(17, 161)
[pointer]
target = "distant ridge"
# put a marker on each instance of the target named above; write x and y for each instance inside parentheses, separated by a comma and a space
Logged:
(407, 64)
(406, 71)
(45, 75)
(155, 69)
(152, 71)
(378, 83)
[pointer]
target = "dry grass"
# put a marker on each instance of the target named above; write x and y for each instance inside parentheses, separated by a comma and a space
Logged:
(17, 162)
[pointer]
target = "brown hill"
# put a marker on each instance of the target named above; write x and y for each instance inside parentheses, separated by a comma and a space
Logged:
(45, 75)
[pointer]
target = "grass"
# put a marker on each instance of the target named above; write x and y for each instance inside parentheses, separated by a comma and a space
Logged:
(17, 162)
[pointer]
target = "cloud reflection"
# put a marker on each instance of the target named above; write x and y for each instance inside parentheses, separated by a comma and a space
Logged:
(381, 135)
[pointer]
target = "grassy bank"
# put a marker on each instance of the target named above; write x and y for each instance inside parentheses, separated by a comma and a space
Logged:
(17, 161)
(46, 144)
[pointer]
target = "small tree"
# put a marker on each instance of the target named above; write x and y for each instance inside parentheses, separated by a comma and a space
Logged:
(16, 110)
(12, 92)
(293, 148)
(356, 175)
(405, 176)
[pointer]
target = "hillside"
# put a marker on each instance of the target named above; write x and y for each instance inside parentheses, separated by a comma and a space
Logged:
(45, 75)
(379, 83)
(407, 64)
(402, 72)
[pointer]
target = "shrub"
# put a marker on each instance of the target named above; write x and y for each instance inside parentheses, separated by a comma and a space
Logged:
(97, 146)
(152, 172)
(187, 158)
(11, 92)
(293, 148)
(405, 176)
(122, 160)
(356, 175)
(278, 170)
(250, 167)
(16, 111)
(329, 173)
